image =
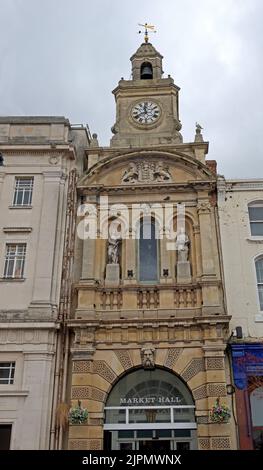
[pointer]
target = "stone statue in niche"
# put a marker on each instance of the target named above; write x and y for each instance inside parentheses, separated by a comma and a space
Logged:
(131, 174)
(148, 357)
(161, 173)
(182, 245)
(113, 250)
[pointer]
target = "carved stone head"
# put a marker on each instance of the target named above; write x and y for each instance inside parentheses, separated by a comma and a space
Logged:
(148, 357)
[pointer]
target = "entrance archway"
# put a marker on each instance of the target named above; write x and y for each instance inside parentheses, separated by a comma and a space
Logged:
(150, 410)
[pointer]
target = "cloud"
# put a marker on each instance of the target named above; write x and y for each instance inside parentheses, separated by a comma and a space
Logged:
(64, 58)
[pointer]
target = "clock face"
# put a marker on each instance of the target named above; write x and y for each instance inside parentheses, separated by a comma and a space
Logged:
(146, 112)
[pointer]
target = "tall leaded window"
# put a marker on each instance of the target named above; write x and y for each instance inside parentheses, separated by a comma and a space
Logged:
(259, 271)
(7, 373)
(255, 210)
(15, 260)
(148, 251)
(23, 191)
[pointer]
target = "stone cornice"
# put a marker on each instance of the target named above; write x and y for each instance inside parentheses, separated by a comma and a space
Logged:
(31, 150)
(207, 321)
(208, 185)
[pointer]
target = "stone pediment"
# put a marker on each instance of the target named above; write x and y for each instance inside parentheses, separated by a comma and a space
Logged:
(145, 167)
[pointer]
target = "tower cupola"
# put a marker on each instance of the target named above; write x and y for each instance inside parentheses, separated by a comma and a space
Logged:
(146, 63)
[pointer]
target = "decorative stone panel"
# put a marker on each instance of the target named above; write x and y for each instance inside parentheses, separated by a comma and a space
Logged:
(124, 357)
(172, 356)
(216, 390)
(202, 419)
(88, 393)
(204, 443)
(102, 369)
(215, 363)
(82, 367)
(78, 444)
(97, 395)
(196, 365)
(80, 393)
(95, 367)
(94, 444)
(200, 392)
(221, 443)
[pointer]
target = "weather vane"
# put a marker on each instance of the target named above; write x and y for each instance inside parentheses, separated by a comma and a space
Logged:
(149, 28)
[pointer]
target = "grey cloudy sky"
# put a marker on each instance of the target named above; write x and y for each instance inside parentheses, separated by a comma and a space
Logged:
(64, 57)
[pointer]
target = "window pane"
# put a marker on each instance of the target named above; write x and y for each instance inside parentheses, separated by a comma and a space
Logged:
(148, 252)
(256, 228)
(7, 372)
(260, 293)
(5, 436)
(255, 213)
(23, 191)
(15, 260)
(259, 270)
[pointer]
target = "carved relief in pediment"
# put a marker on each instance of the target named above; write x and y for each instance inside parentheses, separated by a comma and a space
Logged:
(146, 172)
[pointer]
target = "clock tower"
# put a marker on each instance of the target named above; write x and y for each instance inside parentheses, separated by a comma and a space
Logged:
(147, 110)
(148, 328)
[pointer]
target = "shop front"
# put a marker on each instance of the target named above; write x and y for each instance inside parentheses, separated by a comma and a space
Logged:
(248, 378)
(150, 410)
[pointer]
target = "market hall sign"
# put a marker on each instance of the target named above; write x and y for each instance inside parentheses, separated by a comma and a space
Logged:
(150, 401)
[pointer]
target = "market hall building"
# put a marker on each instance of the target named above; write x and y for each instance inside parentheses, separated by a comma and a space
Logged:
(149, 328)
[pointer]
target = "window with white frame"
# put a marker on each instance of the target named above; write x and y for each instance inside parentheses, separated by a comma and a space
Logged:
(15, 260)
(255, 211)
(7, 373)
(23, 191)
(259, 271)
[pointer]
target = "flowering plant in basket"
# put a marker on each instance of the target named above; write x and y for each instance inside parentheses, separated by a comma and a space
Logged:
(78, 415)
(220, 413)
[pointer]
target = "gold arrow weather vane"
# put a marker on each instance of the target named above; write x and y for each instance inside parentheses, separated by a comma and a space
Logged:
(148, 28)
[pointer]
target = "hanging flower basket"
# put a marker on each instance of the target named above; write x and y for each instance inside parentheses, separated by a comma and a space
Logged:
(220, 413)
(78, 415)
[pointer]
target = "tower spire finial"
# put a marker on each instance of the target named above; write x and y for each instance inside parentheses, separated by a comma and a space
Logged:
(148, 28)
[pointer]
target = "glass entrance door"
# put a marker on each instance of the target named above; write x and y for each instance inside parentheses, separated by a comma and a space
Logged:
(154, 446)
(159, 441)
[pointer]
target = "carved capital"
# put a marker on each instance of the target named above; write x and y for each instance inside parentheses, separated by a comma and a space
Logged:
(203, 207)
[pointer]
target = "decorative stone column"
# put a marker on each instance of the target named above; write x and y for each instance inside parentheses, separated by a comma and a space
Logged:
(210, 287)
(204, 213)
(130, 274)
(42, 288)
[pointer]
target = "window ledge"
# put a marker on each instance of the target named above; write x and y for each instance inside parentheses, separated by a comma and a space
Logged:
(13, 393)
(20, 207)
(17, 229)
(258, 239)
(259, 317)
(12, 279)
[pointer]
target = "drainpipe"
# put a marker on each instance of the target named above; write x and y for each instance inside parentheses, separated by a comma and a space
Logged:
(64, 383)
(55, 391)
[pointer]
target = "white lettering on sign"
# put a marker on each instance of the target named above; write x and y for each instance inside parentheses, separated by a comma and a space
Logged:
(150, 401)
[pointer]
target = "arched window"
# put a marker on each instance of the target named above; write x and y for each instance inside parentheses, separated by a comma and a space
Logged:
(146, 71)
(259, 271)
(148, 251)
(255, 211)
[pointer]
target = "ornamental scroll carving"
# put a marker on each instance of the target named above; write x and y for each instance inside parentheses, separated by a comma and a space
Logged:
(146, 172)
